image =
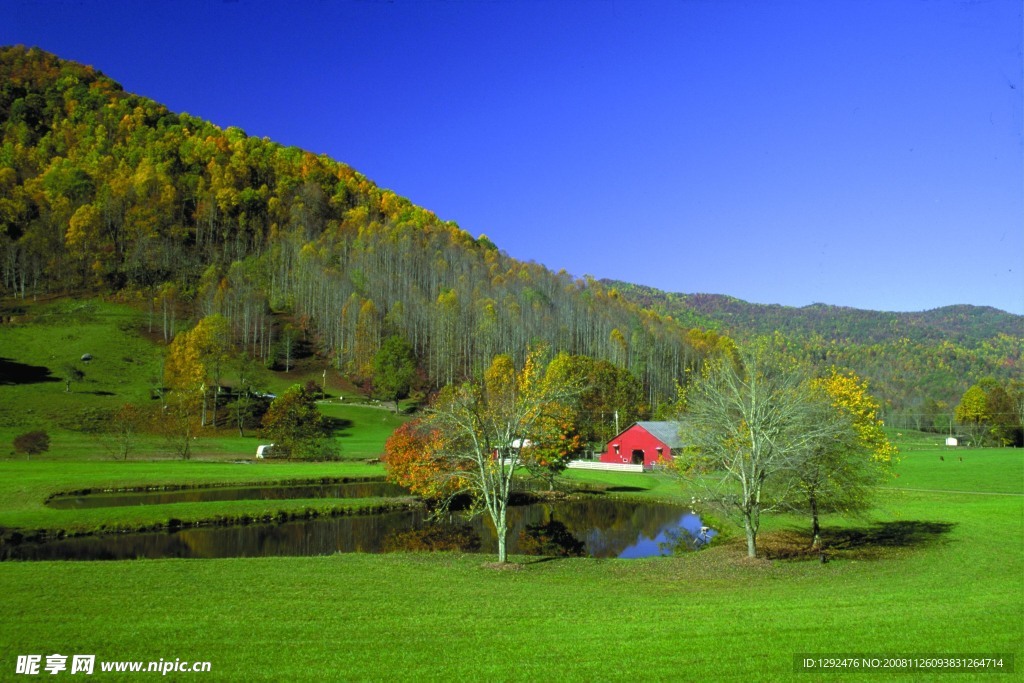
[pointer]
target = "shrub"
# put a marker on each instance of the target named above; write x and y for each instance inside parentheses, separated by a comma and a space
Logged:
(32, 443)
(297, 427)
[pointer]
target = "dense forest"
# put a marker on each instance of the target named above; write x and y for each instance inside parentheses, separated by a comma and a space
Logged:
(918, 364)
(103, 190)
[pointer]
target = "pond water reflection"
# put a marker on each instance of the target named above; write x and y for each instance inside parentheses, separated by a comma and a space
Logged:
(608, 528)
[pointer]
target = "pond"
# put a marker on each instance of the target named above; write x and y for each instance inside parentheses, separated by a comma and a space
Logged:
(606, 528)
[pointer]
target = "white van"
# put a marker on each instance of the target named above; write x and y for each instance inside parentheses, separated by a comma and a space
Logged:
(264, 451)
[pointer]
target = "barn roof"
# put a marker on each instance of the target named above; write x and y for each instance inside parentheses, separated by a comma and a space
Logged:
(665, 432)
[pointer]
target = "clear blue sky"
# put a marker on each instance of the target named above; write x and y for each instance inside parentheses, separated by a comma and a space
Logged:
(864, 153)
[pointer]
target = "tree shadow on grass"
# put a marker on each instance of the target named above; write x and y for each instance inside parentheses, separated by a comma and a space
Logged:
(876, 541)
(601, 490)
(13, 372)
(904, 534)
(336, 425)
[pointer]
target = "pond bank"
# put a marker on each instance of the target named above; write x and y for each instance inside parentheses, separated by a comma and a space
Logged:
(287, 511)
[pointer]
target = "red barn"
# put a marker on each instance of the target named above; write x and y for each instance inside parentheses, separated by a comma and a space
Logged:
(644, 443)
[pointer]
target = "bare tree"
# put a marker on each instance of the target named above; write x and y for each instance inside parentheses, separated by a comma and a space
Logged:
(125, 424)
(179, 421)
(484, 425)
(747, 421)
(71, 374)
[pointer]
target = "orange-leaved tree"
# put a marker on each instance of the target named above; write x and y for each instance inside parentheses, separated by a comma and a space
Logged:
(413, 458)
(558, 436)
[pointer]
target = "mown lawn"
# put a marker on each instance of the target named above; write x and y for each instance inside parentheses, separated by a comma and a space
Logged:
(25, 486)
(360, 431)
(938, 573)
(962, 469)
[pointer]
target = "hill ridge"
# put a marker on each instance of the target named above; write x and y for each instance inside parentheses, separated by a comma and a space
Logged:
(105, 190)
(963, 322)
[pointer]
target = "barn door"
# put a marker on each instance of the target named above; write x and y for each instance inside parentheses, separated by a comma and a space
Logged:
(638, 457)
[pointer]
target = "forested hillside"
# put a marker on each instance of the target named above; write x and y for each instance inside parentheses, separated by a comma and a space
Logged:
(105, 191)
(919, 364)
(102, 190)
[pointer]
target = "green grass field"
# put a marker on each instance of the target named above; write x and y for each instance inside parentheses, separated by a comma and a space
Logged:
(936, 569)
(123, 368)
(953, 585)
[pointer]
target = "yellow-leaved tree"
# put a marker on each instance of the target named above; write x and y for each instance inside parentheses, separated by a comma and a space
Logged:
(192, 370)
(841, 474)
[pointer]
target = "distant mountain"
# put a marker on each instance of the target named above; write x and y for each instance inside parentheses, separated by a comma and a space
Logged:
(961, 323)
(919, 364)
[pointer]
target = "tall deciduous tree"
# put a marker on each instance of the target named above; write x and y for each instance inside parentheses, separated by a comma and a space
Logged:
(611, 396)
(1015, 389)
(841, 472)
(991, 413)
(32, 443)
(179, 421)
(972, 415)
(125, 424)
(747, 420)
(484, 424)
(1002, 416)
(245, 408)
(559, 437)
(195, 359)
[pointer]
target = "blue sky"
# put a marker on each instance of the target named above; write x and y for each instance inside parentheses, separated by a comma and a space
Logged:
(864, 153)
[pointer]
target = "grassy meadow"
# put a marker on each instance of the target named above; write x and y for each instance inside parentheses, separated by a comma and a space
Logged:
(126, 367)
(937, 568)
(934, 573)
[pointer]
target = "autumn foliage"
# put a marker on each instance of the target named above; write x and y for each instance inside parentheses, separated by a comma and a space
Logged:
(103, 189)
(848, 394)
(412, 458)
